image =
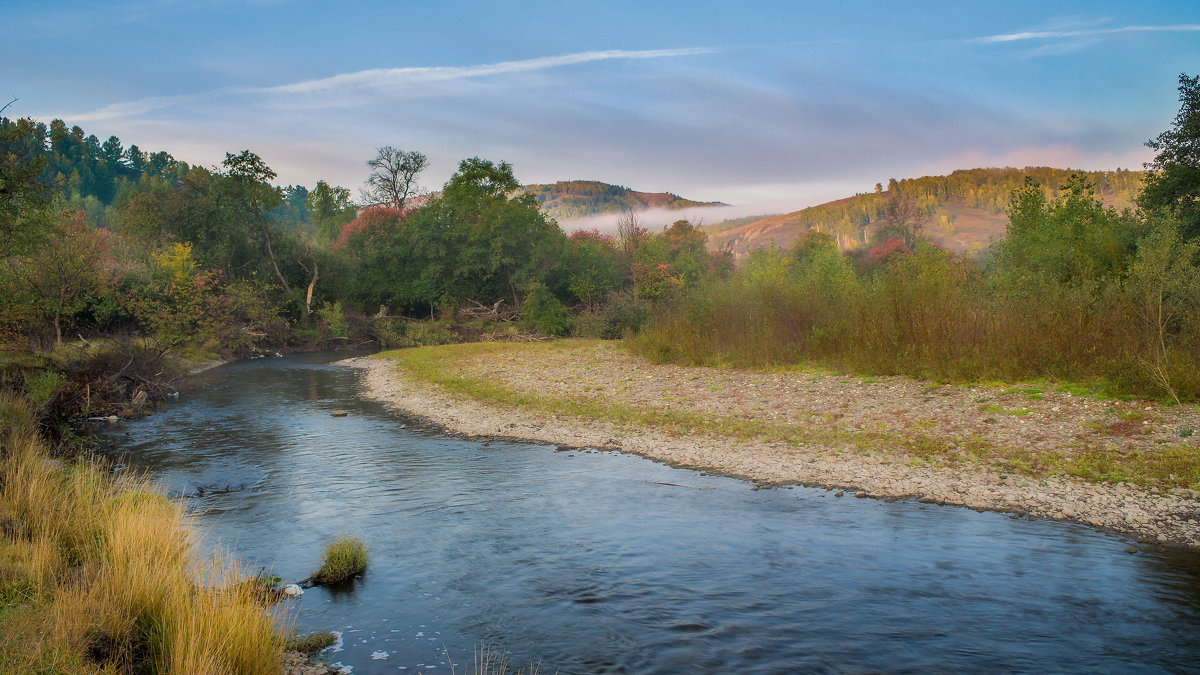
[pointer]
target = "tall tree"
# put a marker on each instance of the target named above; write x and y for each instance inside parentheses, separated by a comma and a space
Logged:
(1173, 181)
(393, 177)
(330, 209)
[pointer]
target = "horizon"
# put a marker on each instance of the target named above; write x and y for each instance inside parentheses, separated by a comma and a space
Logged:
(769, 109)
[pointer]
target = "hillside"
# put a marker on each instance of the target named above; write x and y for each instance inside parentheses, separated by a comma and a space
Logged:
(577, 198)
(964, 210)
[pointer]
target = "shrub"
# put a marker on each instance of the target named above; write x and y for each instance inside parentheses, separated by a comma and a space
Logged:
(344, 558)
(544, 312)
(394, 333)
(333, 322)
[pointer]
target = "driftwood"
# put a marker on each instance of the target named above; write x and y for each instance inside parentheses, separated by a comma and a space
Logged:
(477, 311)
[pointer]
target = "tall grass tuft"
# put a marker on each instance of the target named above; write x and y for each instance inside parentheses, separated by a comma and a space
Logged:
(101, 574)
(344, 557)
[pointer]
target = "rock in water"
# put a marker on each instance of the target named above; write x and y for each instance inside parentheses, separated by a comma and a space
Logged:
(292, 590)
(339, 413)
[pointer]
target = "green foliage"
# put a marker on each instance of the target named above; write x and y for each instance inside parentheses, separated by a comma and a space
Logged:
(400, 332)
(332, 320)
(476, 241)
(343, 559)
(544, 312)
(330, 209)
(1172, 184)
(42, 385)
(1072, 238)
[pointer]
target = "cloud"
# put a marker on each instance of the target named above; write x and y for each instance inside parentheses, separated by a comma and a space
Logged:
(336, 90)
(1082, 33)
(392, 79)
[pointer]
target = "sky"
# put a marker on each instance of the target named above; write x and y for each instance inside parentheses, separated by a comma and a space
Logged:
(769, 106)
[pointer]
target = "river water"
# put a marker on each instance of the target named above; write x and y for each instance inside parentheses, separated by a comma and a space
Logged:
(598, 562)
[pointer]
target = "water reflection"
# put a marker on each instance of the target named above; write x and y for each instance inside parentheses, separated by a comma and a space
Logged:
(589, 563)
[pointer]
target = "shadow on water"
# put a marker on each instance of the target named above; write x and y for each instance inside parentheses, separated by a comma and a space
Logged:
(595, 562)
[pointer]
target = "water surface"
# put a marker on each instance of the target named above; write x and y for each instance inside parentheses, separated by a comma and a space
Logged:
(592, 562)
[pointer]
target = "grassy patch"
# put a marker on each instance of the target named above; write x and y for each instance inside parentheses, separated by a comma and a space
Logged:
(310, 643)
(344, 558)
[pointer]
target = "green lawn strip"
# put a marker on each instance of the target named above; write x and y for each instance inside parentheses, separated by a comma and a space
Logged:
(1164, 466)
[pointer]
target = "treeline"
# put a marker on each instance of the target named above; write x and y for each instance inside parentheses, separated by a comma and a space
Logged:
(1078, 290)
(221, 261)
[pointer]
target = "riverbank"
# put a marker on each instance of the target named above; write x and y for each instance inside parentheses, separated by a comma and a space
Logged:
(1132, 468)
(101, 572)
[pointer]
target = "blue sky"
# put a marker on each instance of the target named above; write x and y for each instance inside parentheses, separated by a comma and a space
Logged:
(770, 105)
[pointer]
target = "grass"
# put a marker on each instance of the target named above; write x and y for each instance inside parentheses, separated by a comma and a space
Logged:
(344, 558)
(101, 573)
(1166, 466)
(311, 643)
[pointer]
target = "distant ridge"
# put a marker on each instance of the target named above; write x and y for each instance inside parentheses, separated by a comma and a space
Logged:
(579, 198)
(966, 209)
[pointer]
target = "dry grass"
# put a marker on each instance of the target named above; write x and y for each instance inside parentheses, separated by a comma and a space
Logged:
(101, 575)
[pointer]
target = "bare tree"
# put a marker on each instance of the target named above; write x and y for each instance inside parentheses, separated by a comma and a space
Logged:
(393, 176)
(906, 219)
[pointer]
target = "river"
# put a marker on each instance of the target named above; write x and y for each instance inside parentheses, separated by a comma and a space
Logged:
(599, 562)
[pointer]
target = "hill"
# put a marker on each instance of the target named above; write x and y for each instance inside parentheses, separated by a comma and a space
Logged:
(964, 210)
(577, 198)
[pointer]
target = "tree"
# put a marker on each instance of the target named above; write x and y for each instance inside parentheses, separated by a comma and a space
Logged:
(330, 209)
(58, 278)
(24, 196)
(393, 177)
(1172, 185)
(1072, 238)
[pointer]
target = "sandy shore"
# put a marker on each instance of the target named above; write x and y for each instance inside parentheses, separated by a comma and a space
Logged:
(599, 371)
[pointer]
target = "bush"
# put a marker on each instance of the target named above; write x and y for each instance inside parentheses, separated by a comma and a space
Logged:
(344, 558)
(545, 313)
(333, 322)
(393, 333)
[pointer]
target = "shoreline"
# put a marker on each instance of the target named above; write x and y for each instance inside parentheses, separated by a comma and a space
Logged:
(1147, 516)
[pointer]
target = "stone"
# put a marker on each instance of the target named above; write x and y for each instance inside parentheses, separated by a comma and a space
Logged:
(839, 493)
(339, 413)
(292, 591)
(861, 494)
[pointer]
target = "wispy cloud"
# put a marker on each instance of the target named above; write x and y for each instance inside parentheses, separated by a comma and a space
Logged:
(1084, 32)
(395, 78)
(385, 81)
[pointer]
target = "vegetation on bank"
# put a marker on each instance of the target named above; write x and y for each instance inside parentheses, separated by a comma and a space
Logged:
(100, 573)
(1076, 291)
(467, 370)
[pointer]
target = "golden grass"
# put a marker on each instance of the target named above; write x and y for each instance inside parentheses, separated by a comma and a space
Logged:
(101, 574)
